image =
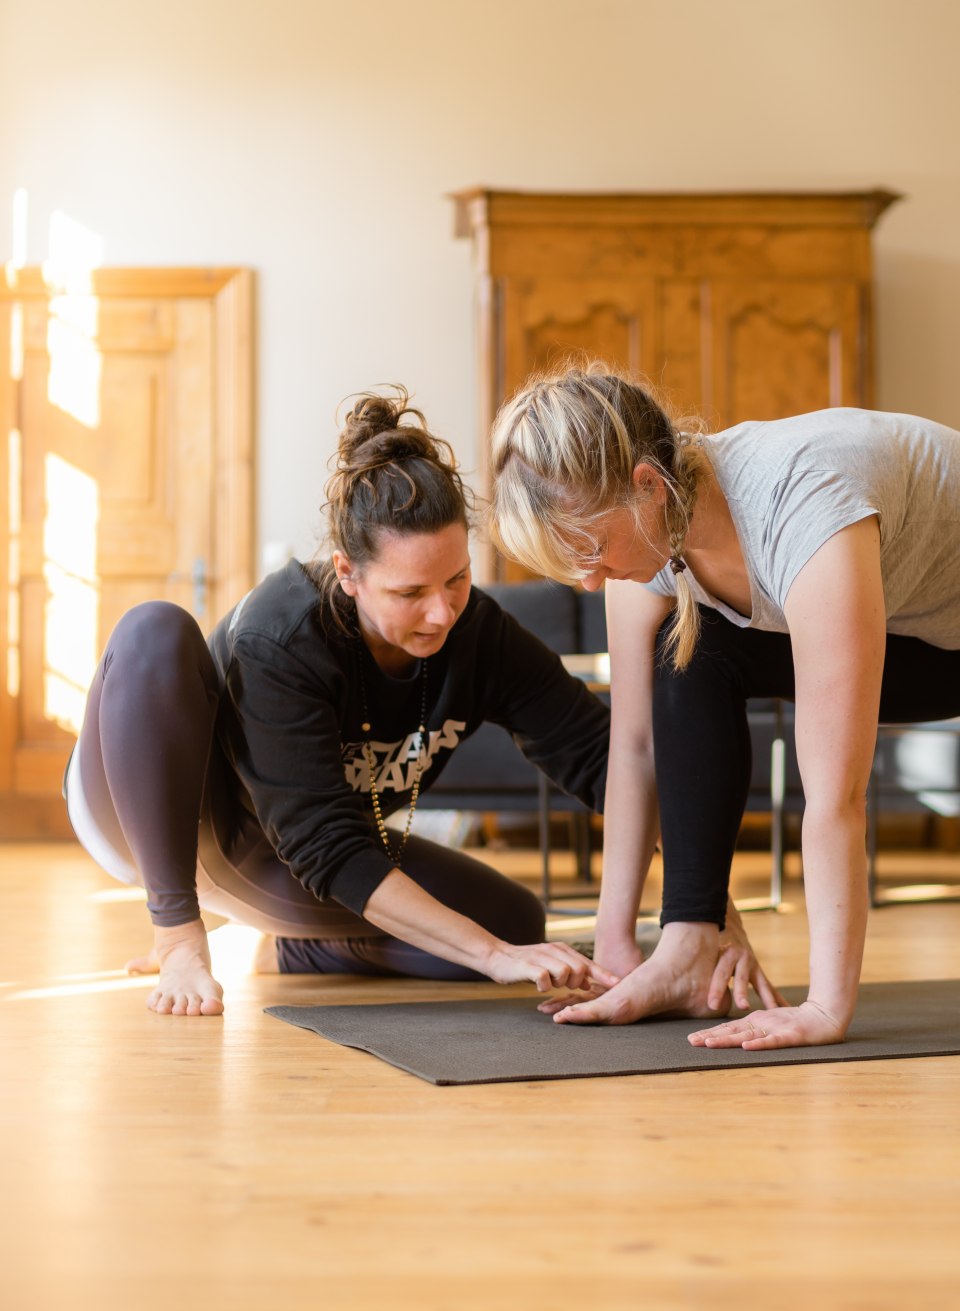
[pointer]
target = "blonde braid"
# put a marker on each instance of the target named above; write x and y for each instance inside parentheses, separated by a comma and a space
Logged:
(685, 631)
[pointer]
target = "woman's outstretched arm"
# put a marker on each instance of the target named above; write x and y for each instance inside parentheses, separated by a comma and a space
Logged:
(631, 824)
(401, 907)
(835, 610)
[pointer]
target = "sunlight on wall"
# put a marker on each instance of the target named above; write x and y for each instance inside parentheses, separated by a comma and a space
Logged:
(75, 251)
(14, 511)
(76, 364)
(71, 614)
(18, 255)
(72, 499)
(15, 450)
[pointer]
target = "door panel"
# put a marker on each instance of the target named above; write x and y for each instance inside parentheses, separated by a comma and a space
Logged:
(782, 348)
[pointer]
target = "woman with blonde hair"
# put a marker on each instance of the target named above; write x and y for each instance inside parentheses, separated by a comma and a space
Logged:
(815, 558)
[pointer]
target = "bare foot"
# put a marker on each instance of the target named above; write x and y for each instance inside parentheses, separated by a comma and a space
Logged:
(186, 985)
(674, 981)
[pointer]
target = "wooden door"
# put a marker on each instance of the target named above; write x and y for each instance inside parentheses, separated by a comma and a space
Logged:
(126, 421)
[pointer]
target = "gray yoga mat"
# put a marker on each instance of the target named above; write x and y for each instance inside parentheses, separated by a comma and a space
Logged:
(502, 1041)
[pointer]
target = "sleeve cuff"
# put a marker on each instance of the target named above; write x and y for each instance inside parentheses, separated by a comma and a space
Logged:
(358, 878)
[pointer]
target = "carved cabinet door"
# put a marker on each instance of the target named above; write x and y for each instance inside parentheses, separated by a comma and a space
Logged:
(780, 348)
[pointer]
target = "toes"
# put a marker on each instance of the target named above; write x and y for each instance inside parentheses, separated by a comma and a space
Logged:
(211, 1006)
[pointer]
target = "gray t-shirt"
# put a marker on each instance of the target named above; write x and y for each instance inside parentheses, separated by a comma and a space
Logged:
(792, 483)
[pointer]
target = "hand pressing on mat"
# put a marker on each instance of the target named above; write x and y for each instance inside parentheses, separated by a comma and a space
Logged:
(737, 968)
(181, 956)
(807, 1025)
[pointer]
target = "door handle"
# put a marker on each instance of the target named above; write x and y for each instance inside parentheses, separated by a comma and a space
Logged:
(199, 578)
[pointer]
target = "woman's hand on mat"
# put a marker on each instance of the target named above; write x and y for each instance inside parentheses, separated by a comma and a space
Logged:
(807, 1025)
(737, 968)
(548, 965)
(186, 985)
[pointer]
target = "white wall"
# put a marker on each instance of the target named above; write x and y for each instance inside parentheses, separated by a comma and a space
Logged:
(315, 140)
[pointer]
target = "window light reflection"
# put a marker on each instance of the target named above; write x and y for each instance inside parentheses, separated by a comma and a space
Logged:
(71, 613)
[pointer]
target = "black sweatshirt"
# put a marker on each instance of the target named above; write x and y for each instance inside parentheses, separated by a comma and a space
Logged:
(289, 723)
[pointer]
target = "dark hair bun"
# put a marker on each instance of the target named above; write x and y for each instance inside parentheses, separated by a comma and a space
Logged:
(372, 431)
(391, 475)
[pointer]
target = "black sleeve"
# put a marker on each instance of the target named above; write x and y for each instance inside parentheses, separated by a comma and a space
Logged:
(283, 738)
(556, 722)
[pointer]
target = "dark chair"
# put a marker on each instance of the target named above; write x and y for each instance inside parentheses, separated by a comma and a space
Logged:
(916, 768)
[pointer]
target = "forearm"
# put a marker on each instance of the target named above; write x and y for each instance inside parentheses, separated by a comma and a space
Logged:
(835, 882)
(402, 908)
(631, 828)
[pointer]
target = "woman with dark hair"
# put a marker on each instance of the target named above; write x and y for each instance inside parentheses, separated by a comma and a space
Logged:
(253, 776)
(815, 558)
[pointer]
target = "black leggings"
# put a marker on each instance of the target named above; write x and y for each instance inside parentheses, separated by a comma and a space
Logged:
(154, 802)
(702, 743)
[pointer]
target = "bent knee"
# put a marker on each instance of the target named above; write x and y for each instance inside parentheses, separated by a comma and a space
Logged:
(161, 639)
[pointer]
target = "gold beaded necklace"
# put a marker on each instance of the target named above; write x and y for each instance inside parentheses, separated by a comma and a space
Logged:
(372, 764)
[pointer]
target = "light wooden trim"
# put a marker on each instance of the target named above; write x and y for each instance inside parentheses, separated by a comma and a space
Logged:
(22, 283)
(477, 207)
(8, 579)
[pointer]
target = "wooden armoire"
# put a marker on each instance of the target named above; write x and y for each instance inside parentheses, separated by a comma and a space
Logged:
(738, 306)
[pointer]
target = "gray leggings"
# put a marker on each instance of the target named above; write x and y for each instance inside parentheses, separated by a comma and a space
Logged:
(154, 803)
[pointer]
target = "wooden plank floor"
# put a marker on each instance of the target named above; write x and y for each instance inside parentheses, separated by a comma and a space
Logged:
(151, 1162)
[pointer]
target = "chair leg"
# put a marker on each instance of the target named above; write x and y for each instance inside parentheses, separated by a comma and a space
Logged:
(872, 839)
(580, 841)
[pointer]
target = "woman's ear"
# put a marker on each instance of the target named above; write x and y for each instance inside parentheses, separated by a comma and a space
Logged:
(344, 571)
(649, 483)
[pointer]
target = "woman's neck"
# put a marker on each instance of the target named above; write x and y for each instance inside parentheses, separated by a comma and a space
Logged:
(389, 659)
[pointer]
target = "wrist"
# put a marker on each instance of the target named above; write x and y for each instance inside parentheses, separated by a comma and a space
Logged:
(837, 1011)
(483, 952)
